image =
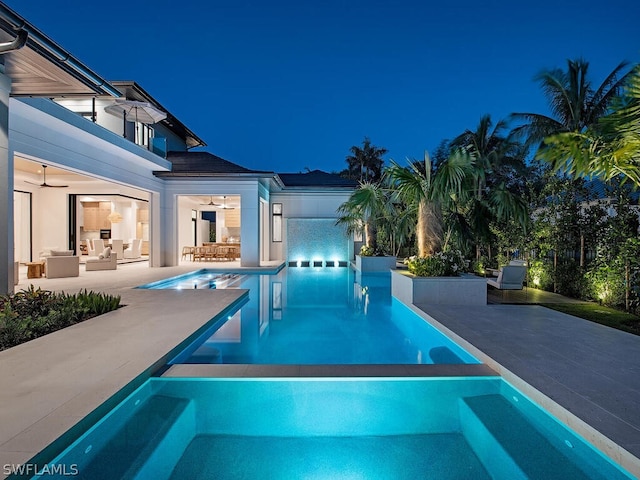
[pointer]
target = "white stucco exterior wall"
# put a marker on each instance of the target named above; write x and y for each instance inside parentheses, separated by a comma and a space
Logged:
(56, 136)
(174, 231)
(304, 204)
(185, 225)
(6, 189)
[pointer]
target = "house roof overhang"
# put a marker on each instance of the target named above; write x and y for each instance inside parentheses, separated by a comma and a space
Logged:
(132, 91)
(205, 164)
(42, 68)
(316, 179)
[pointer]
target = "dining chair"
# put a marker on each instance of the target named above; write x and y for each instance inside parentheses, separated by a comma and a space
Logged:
(91, 249)
(198, 254)
(133, 251)
(117, 247)
(187, 253)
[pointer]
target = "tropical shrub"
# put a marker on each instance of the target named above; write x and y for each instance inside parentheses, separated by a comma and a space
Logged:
(367, 251)
(605, 284)
(606, 280)
(541, 274)
(34, 312)
(480, 265)
(440, 264)
(569, 279)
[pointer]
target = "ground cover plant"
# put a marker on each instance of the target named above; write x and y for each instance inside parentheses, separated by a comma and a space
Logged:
(34, 312)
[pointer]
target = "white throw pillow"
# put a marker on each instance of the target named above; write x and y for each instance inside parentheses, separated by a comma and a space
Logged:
(101, 256)
(46, 251)
(106, 253)
(61, 253)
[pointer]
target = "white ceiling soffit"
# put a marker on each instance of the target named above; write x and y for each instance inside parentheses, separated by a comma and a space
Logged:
(30, 171)
(43, 68)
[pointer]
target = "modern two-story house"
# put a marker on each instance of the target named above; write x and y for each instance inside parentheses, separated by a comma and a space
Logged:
(73, 168)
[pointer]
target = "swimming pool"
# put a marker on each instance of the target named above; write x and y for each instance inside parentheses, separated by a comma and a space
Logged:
(444, 428)
(315, 316)
(176, 427)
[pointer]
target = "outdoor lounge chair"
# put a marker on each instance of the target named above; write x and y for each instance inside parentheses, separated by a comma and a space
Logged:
(518, 263)
(511, 277)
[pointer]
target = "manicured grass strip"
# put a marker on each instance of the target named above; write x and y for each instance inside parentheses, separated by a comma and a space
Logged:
(599, 314)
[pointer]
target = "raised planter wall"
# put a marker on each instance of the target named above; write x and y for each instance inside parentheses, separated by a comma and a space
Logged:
(375, 264)
(463, 290)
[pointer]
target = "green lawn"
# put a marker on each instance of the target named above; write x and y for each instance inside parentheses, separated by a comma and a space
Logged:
(599, 314)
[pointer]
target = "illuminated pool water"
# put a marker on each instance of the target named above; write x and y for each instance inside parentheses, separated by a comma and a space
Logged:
(315, 316)
(326, 428)
(399, 428)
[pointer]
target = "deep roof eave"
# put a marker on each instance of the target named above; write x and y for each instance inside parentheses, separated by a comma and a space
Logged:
(49, 49)
(212, 174)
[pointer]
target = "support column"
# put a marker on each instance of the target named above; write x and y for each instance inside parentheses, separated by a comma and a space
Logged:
(250, 229)
(6, 190)
(167, 230)
(155, 231)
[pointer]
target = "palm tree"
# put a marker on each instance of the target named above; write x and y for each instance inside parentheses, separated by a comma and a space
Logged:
(428, 192)
(607, 149)
(492, 150)
(499, 162)
(363, 211)
(574, 102)
(365, 164)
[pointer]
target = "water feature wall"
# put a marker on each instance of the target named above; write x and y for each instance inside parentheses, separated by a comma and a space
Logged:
(316, 239)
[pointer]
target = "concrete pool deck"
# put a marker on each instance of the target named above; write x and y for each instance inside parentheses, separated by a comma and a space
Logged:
(591, 371)
(51, 383)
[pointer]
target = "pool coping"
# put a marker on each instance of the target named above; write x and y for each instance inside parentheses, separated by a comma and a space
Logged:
(214, 271)
(327, 371)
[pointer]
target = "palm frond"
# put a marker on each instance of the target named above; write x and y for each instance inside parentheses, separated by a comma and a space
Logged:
(411, 184)
(506, 205)
(608, 90)
(536, 128)
(452, 175)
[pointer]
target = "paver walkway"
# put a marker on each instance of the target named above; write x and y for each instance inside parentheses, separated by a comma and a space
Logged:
(526, 296)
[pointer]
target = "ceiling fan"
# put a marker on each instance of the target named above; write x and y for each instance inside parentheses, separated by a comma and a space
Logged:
(211, 204)
(224, 204)
(44, 180)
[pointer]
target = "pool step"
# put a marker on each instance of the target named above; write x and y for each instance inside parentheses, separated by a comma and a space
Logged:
(145, 444)
(508, 444)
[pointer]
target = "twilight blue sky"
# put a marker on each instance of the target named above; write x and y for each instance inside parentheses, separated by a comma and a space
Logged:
(285, 85)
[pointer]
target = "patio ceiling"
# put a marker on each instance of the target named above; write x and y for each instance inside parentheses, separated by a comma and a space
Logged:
(27, 166)
(29, 170)
(231, 201)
